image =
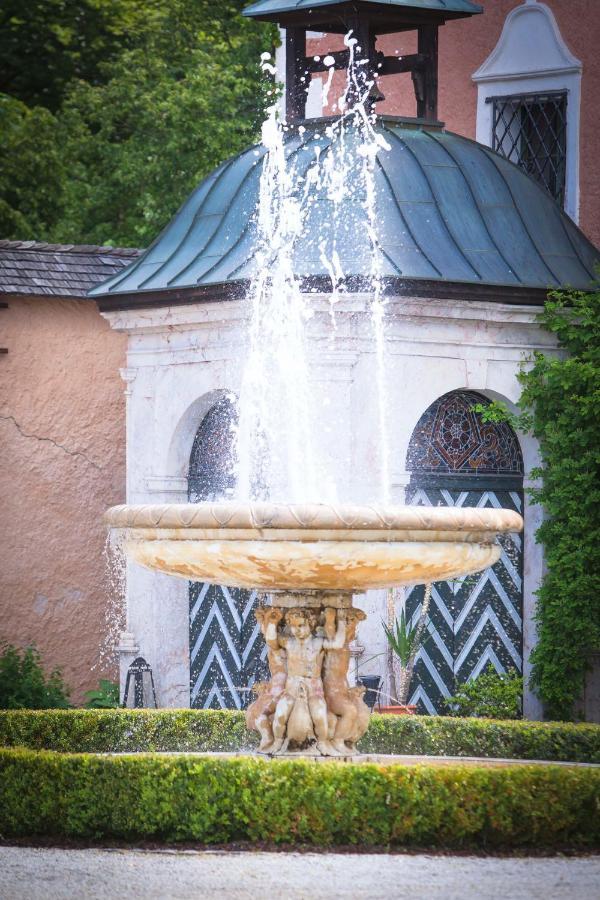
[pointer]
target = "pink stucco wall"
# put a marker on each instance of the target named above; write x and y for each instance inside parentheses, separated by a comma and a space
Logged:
(62, 433)
(465, 44)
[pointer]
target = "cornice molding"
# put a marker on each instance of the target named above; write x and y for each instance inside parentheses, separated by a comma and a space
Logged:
(517, 56)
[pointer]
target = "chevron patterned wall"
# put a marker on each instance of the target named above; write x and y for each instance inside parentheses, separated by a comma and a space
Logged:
(227, 652)
(474, 620)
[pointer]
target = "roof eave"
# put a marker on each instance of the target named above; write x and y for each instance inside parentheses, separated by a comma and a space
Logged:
(320, 13)
(321, 284)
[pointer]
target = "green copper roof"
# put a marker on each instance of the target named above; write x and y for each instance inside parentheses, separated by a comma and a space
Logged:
(450, 210)
(274, 7)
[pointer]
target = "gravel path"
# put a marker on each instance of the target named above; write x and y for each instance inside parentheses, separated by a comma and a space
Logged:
(48, 874)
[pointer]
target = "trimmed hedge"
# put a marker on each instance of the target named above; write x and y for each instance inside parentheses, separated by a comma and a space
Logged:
(102, 731)
(179, 798)
(508, 739)
(124, 730)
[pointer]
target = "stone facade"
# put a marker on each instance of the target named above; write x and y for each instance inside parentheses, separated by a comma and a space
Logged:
(181, 360)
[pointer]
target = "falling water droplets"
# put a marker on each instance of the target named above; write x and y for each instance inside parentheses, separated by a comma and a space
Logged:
(281, 445)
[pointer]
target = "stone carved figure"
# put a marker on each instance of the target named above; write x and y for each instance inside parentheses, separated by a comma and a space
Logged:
(346, 703)
(308, 705)
(305, 649)
(259, 715)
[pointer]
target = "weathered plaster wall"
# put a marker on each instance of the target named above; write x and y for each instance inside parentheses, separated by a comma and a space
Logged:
(466, 44)
(62, 433)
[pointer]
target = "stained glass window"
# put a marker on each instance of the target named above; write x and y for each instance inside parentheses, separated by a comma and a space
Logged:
(452, 438)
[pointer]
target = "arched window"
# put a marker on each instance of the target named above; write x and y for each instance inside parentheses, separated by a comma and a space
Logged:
(456, 459)
(451, 439)
(211, 473)
(227, 652)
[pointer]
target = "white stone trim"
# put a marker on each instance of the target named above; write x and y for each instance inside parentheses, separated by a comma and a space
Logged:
(531, 57)
(165, 484)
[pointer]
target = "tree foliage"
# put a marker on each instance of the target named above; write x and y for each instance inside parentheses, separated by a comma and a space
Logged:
(145, 99)
(562, 394)
(560, 406)
(32, 171)
(45, 44)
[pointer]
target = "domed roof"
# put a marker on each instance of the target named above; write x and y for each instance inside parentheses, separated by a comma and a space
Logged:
(451, 212)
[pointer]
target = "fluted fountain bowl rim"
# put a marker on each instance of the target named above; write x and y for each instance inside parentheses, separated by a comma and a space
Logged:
(316, 547)
(270, 521)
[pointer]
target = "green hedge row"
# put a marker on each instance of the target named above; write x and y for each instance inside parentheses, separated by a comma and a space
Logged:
(199, 730)
(183, 798)
(444, 736)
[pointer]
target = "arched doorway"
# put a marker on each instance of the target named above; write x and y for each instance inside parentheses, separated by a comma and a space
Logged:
(455, 459)
(227, 652)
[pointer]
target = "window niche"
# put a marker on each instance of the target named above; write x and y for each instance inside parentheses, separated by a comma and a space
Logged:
(528, 104)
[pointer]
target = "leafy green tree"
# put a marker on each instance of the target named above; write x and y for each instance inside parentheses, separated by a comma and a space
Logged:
(45, 44)
(32, 170)
(175, 95)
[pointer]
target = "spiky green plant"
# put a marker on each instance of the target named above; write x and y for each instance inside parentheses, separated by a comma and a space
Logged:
(403, 640)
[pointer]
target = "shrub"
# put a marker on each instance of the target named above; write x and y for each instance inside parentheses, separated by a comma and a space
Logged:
(491, 695)
(106, 696)
(443, 736)
(23, 684)
(120, 730)
(225, 800)
(123, 730)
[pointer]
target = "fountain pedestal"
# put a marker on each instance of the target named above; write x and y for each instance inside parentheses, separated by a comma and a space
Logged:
(309, 706)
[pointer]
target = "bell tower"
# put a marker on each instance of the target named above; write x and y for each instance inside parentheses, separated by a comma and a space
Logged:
(367, 19)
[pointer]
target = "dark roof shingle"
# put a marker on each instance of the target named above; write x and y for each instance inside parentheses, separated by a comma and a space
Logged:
(58, 270)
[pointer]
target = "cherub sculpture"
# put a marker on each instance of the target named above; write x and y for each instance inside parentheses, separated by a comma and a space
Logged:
(352, 713)
(259, 715)
(305, 651)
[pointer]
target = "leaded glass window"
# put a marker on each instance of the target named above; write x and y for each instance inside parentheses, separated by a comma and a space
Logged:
(451, 438)
(531, 131)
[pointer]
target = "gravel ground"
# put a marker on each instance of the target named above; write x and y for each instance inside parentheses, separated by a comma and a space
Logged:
(53, 874)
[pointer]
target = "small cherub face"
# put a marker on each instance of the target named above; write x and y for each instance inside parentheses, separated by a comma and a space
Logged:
(301, 630)
(299, 625)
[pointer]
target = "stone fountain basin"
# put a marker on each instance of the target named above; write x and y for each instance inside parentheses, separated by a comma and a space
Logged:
(279, 547)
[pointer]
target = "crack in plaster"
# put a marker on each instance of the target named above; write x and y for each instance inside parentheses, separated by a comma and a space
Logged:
(38, 437)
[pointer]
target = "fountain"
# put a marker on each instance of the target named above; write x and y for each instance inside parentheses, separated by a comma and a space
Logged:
(310, 557)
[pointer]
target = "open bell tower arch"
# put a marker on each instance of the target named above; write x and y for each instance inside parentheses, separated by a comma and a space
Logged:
(366, 20)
